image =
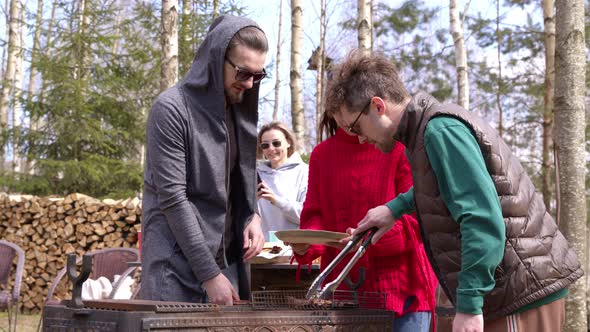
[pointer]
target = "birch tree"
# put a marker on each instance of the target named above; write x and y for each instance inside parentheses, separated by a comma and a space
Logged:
(321, 64)
(570, 123)
(120, 9)
(185, 47)
(275, 113)
(365, 25)
(7, 21)
(460, 54)
(296, 84)
(33, 73)
(17, 90)
(8, 79)
(500, 83)
(169, 43)
(549, 22)
(82, 50)
(46, 52)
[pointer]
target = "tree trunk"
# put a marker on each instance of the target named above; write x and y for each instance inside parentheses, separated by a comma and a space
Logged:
(33, 123)
(365, 25)
(8, 79)
(18, 85)
(297, 111)
(549, 19)
(169, 42)
(3, 60)
(82, 47)
(185, 51)
(321, 65)
(215, 8)
(47, 51)
(499, 82)
(275, 113)
(460, 55)
(570, 123)
(117, 33)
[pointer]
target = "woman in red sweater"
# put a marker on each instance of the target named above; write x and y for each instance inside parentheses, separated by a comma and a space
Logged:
(346, 179)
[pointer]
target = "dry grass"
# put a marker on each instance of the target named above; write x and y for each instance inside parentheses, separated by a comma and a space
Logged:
(25, 323)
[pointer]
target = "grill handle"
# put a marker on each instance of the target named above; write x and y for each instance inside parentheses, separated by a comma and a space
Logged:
(316, 291)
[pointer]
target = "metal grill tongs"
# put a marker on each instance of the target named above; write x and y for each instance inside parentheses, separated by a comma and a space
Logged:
(316, 291)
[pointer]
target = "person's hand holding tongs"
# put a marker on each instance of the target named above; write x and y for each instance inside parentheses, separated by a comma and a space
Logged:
(316, 291)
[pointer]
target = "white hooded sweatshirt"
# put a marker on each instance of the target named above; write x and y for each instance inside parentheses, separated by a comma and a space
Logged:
(289, 184)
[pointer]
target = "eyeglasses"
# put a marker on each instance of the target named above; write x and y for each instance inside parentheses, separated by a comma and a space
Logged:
(352, 127)
(244, 75)
(276, 144)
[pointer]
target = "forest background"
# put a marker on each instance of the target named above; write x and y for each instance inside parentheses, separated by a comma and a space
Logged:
(79, 78)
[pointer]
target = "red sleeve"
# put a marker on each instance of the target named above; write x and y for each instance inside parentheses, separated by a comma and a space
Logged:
(397, 241)
(311, 214)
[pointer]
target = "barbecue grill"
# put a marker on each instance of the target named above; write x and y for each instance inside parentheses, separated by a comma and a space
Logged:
(269, 311)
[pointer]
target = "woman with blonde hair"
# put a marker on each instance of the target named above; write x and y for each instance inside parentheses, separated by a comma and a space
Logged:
(283, 179)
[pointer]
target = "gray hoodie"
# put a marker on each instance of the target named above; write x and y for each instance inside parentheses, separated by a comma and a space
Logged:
(289, 184)
(186, 177)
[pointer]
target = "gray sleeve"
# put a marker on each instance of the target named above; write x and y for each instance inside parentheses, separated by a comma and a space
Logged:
(292, 208)
(166, 137)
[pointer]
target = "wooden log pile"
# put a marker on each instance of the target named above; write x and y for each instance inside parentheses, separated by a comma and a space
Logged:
(49, 228)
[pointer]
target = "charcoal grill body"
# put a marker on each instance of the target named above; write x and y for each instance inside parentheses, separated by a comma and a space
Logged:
(144, 316)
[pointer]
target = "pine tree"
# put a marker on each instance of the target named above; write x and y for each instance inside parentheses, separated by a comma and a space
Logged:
(91, 123)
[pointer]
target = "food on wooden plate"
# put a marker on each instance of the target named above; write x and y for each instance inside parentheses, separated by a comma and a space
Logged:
(273, 250)
(276, 250)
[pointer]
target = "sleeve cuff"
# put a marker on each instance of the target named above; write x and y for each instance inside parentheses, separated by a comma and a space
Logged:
(210, 274)
(469, 304)
(395, 206)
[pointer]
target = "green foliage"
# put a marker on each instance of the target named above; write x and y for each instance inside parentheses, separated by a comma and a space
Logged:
(100, 77)
(521, 85)
(416, 47)
(305, 157)
(409, 16)
(193, 28)
(92, 104)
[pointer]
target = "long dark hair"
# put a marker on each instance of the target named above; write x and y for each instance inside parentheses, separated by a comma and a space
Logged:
(327, 126)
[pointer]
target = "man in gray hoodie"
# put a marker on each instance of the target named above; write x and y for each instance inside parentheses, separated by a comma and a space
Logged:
(200, 222)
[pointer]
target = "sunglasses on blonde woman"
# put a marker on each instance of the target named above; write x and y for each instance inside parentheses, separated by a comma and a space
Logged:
(276, 144)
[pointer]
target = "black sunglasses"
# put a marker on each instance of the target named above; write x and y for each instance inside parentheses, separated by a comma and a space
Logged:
(244, 75)
(276, 144)
(351, 128)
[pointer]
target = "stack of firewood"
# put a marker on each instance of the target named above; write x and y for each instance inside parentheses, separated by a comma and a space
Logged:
(48, 229)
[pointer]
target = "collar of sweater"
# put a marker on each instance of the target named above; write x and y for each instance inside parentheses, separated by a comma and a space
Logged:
(341, 135)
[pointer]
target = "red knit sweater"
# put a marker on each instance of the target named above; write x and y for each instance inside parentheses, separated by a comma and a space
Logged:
(345, 180)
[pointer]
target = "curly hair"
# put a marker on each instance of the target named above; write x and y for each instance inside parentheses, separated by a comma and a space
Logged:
(359, 78)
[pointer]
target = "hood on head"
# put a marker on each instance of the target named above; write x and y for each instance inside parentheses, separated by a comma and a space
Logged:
(207, 68)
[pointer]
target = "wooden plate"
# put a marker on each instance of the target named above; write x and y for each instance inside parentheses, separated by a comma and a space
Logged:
(310, 236)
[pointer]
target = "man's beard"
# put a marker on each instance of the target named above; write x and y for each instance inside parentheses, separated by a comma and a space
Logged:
(232, 98)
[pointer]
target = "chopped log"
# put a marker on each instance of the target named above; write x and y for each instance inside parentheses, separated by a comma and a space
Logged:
(50, 228)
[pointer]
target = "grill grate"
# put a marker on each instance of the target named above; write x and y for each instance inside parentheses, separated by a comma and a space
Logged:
(295, 299)
(156, 306)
